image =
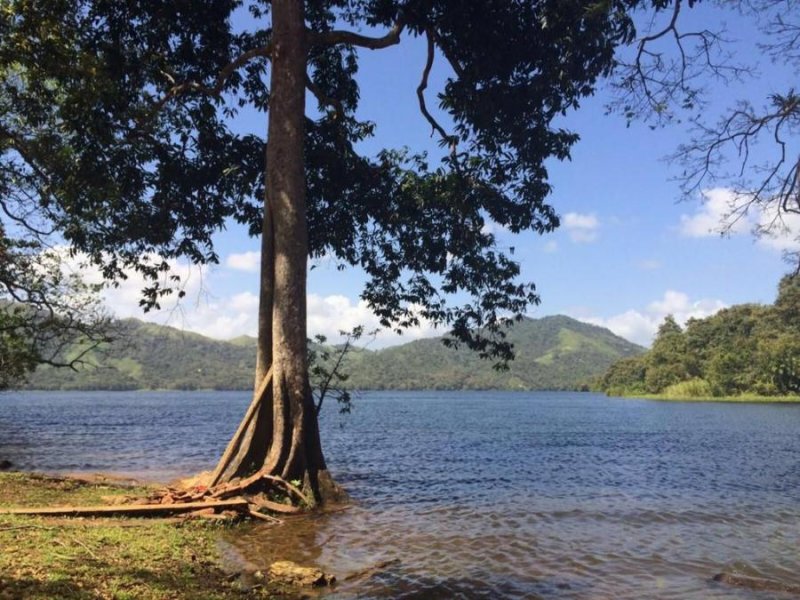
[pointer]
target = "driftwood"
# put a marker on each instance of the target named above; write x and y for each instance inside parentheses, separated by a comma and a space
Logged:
(239, 504)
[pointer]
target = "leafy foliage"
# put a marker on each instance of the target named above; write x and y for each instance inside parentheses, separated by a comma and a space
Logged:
(118, 115)
(745, 349)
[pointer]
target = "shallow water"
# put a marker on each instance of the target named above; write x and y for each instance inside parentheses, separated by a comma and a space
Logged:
(483, 494)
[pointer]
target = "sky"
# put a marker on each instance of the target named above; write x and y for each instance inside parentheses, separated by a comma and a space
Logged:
(629, 250)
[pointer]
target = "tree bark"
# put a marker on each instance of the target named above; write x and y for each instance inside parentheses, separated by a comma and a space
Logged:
(282, 438)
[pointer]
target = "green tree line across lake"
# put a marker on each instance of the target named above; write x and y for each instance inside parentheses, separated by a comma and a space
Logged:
(744, 350)
(554, 352)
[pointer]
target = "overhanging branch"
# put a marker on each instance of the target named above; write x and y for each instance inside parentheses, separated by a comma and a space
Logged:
(451, 140)
(351, 38)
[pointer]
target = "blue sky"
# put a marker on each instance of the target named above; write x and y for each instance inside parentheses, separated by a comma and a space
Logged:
(627, 254)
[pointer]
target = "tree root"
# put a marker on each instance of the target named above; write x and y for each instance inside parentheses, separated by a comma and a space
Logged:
(254, 497)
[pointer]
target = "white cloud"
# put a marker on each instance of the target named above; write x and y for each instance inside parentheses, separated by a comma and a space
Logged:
(715, 215)
(641, 325)
(581, 228)
(246, 261)
(779, 231)
(551, 246)
(494, 228)
(718, 214)
(226, 317)
(328, 315)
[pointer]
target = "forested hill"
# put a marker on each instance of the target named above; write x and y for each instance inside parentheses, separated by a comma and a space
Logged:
(552, 353)
(749, 349)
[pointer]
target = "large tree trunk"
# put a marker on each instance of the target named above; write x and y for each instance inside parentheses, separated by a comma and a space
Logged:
(280, 435)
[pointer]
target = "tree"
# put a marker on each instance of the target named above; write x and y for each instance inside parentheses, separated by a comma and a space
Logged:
(751, 147)
(120, 112)
(667, 361)
(787, 304)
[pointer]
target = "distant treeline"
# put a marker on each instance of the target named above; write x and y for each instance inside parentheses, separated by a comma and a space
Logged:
(742, 350)
(552, 353)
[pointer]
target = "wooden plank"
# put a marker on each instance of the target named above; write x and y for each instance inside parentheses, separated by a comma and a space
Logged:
(128, 509)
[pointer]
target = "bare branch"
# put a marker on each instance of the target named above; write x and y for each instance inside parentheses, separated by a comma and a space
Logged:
(654, 81)
(351, 38)
(423, 84)
(454, 63)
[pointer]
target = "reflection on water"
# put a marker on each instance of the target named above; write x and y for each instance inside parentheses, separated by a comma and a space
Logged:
(487, 495)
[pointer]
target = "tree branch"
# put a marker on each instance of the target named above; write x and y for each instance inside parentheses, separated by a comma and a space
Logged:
(351, 38)
(222, 78)
(653, 81)
(451, 140)
(324, 99)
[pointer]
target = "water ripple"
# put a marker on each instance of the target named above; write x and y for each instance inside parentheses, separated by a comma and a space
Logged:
(483, 495)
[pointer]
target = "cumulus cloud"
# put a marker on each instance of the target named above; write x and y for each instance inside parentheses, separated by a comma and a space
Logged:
(204, 311)
(245, 261)
(640, 326)
(779, 231)
(718, 214)
(581, 228)
(328, 315)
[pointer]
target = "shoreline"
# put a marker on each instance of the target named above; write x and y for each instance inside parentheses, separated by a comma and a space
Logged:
(144, 558)
(744, 399)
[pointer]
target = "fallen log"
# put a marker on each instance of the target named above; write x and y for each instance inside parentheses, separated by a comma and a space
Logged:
(134, 510)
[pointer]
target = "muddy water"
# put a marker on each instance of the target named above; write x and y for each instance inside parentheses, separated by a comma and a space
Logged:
(484, 495)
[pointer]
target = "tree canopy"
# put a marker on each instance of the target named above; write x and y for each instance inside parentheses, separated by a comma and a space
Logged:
(744, 349)
(119, 115)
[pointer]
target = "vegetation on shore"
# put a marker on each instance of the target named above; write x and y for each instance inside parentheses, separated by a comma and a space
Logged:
(109, 558)
(552, 353)
(747, 353)
(749, 398)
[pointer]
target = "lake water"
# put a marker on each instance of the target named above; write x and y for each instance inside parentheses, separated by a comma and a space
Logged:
(483, 494)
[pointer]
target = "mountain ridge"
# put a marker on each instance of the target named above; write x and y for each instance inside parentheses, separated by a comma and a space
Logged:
(554, 352)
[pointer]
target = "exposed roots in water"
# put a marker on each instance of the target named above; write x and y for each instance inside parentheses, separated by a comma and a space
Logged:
(263, 493)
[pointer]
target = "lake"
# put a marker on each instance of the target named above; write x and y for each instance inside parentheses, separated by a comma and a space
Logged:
(482, 494)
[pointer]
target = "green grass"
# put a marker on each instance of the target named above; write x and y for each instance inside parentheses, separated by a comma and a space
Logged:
(742, 398)
(119, 559)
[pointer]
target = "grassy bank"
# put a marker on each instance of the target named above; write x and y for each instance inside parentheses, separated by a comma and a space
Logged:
(80, 558)
(743, 398)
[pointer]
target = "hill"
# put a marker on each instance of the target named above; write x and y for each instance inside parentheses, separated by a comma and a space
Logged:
(552, 353)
